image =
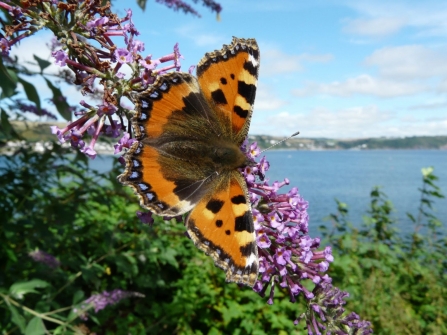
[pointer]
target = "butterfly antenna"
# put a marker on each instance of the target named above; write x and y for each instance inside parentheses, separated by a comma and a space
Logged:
(293, 135)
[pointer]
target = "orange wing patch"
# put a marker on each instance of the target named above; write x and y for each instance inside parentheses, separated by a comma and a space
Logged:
(228, 78)
(145, 176)
(155, 106)
(222, 226)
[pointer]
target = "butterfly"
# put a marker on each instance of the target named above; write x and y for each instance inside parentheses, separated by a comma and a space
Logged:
(187, 157)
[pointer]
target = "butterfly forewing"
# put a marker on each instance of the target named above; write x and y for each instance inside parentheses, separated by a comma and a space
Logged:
(228, 78)
(165, 168)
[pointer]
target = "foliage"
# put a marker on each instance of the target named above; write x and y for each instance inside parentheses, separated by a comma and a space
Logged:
(56, 204)
(396, 280)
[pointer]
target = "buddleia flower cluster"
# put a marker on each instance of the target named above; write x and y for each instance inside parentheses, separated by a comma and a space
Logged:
(288, 255)
(100, 301)
(97, 46)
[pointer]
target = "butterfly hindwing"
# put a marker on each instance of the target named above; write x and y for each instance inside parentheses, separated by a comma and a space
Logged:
(221, 225)
(228, 79)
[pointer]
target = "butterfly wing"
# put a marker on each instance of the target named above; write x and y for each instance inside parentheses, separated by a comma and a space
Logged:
(222, 226)
(228, 79)
(165, 167)
(222, 223)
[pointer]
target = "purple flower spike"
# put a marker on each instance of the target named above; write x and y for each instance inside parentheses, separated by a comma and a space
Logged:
(104, 299)
(44, 258)
(287, 255)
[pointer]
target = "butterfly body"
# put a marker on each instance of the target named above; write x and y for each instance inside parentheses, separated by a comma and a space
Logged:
(188, 155)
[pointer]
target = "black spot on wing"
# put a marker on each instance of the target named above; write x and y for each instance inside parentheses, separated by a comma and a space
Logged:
(193, 104)
(219, 97)
(227, 232)
(232, 76)
(244, 223)
(255, 54)
(214, 205)
(242, 113)
(248, 249)
(247, 91)
(188, 190)
(219, 223)
(239, 199)
(251, 68)
(223, 81)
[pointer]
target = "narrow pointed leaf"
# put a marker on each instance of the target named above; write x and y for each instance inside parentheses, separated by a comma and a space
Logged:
(31, 92)
(43, 64)
(59, 101)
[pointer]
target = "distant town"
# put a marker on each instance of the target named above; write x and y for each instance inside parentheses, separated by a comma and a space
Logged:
(39, 133)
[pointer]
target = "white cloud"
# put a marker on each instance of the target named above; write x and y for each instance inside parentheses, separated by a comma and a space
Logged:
(194, 32)
(374, 27)
(321, 122)
(275, 61)
(354, 122)
(427, 17)
(267, 99)
(409, 62)
(363, 84)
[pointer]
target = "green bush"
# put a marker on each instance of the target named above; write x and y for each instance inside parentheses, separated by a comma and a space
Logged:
(397, 281)
(57, 205)
(53, 202)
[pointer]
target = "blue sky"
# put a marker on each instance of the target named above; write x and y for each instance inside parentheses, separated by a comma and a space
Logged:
(344, 69)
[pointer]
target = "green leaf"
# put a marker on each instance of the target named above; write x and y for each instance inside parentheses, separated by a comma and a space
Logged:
(77, 297)
(22, 288)
(7, 131)
(31, 92)
(17, 318)
(35, 327)
(8, 80)
(411, 217)
(59, 101)
(142, 4)
(43, 64)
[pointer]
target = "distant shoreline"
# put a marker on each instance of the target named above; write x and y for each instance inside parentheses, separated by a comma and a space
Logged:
(40, 132)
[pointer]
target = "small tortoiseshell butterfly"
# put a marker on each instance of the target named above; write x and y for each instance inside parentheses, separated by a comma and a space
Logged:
(188, 155)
